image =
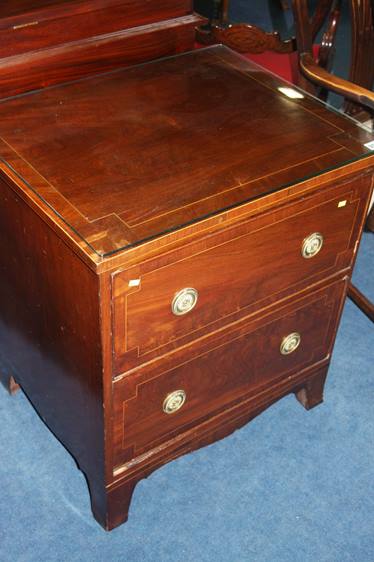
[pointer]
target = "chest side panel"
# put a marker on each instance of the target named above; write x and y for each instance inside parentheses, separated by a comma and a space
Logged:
(49, 328)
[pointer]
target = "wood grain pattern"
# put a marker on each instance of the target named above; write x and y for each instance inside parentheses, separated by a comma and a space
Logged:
(120, 492)
(170, 159)
(327, 47)
(246, 38)
(68, 61)
(243, 262)
(48, 25)
(13, 12)
(347, 89)
(52, 340)
(242, 363)
(220, 159)
(12, 8)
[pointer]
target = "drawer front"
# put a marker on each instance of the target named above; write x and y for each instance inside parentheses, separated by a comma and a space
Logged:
(175, 299)
(156, 403)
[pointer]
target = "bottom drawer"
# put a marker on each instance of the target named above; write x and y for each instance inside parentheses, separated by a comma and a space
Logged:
(156, 403)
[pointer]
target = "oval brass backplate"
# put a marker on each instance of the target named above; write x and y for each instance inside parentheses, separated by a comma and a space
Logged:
(174, 401)
(184, 301)
(311, 245)
(290, 343)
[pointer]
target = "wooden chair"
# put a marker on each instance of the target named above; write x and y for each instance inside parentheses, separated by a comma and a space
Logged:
(268, 49)
(313, 59)
(356, 91)
(314, 64)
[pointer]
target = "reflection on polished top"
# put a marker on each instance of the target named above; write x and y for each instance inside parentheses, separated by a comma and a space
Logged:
(127, 156)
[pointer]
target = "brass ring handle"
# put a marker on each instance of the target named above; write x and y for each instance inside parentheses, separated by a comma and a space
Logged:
(174, 401)
(311, 245)
(290, 343)
(184, 301)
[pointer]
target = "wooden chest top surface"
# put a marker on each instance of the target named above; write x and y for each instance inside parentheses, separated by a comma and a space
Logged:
(129, 155)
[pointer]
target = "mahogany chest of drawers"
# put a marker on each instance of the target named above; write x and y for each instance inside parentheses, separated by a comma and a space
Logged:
(176, 240)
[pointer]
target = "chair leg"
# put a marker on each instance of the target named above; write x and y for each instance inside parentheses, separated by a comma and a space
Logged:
(361, 301)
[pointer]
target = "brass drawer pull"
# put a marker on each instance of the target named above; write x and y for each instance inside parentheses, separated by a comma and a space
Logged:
(312, 244)
(184, 301)
(290, 343)
(174, 401)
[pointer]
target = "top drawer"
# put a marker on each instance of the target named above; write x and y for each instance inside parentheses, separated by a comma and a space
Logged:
(170, 301)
